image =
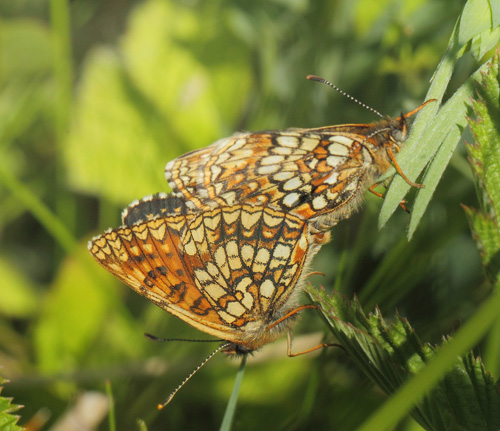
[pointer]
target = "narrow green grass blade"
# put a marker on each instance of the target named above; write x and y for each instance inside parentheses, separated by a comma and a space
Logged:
(39, 210)
(413, 157)
(450, 118)
(231, 405)
(141, 425)
(111, 416)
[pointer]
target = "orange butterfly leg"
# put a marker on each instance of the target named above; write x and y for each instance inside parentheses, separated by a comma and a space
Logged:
(400, 172)
(289, 334)
(402, 204)
(312, 349)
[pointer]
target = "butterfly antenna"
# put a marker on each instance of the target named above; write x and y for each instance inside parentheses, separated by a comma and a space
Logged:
(155, 338)
(221, 347)
(324, 81)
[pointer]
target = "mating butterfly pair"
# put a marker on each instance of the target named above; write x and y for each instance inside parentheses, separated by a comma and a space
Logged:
(226, 252)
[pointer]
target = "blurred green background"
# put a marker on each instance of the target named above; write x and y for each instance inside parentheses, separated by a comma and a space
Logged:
(97, 95)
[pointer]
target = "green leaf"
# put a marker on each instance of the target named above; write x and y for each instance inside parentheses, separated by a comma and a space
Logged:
(485, 162)
(486, 233)
(495, 13)
(8, 421)
(476, 17)
(170, 88)
(74, 313)
(19, 298)
(465, 398)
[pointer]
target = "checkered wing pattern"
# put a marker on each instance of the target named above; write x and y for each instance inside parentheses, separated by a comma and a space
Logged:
(318, 174)
(310, 172)
(230, 271)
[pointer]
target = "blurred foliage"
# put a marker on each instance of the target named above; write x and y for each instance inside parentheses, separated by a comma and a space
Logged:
(97, 95)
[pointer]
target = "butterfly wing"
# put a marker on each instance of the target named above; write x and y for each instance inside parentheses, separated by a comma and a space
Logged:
(309, 172)
(227, 271)
(148, 257)
(151, 207)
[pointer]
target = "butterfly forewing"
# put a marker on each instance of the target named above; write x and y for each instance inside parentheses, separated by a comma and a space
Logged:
(308, 172)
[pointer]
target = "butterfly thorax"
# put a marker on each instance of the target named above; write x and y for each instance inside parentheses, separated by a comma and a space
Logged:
(261, 335)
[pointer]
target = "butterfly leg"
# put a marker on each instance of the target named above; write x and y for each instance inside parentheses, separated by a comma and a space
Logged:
(289, 334)
(372, 188)
(400, 172)
(312, 349)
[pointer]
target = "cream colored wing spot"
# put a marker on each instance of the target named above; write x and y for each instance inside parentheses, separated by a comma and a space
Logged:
(242, 154)
(233, 255)
(281, 151)
(190, 247)
(331, 196)
(214, 291)
(271, 221)
(213, 270)
(244, 284)
(288, 141)
(272, 160)
(203, 276)
(229, 197)
(247, 301)
(248, 219)
(338, 150)
(283, 176)
(141, 232)
(291, 199)
(222, 262)
(218, 188)
(303, 242)
(166, 249)
(247, 254)
(235, 308)
(309, 144)
(267, 170)
(231, 217)
(177, 225)
(135, 251)
(226, 317)
(319, 202)
(267, 289)
(288, 274)
(292, 184)
(343, 140)
(332, 178)
(215, 170)
(148, 248)
(239, 143)
(242, 287)
(198, 233)
(281, 255)
(353, 185)
(335, 161)
(261, 260)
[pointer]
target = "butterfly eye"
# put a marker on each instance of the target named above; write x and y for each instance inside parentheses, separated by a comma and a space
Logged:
(398, 135)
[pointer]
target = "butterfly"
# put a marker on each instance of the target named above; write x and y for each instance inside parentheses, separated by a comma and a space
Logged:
(318, 174)
(233, 272)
